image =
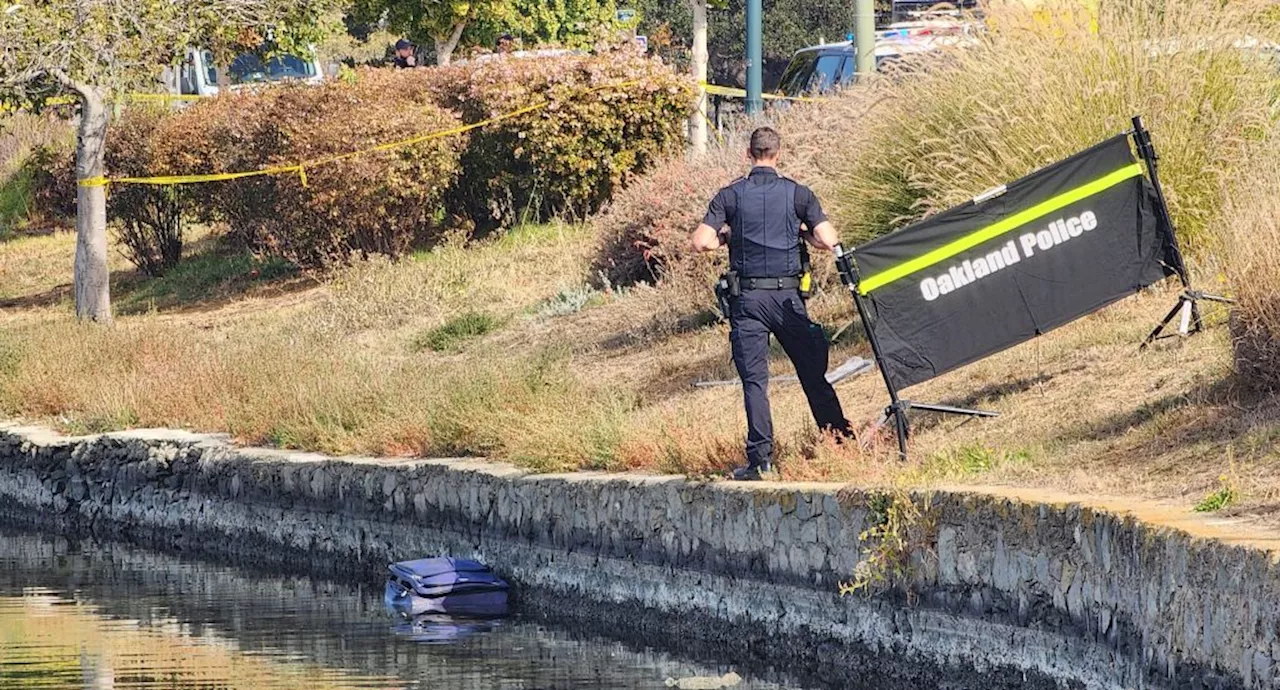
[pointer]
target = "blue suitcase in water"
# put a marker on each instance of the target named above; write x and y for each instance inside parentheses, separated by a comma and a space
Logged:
(446, 585)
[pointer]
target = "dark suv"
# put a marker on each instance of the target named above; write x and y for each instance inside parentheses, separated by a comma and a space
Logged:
(819, 69)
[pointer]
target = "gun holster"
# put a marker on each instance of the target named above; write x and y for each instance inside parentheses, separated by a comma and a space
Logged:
(729, 286)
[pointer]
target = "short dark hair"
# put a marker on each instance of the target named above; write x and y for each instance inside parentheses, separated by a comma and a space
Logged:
(765, 143)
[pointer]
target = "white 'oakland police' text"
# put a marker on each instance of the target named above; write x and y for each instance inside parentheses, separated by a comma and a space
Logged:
(972, 270)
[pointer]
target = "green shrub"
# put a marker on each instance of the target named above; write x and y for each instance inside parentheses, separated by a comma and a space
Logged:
(15, 199)
(610, 117)
(570, 157)
(29, 197)
(453, 334)
(50, 170)
(374, 203)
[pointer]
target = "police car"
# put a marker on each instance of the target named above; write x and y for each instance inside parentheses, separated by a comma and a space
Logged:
(823, 68)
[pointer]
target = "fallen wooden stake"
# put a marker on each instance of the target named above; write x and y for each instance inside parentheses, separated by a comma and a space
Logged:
(851, 367)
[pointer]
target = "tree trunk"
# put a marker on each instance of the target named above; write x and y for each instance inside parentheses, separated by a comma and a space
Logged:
(698, 120)
(446, 46)
(92, 276)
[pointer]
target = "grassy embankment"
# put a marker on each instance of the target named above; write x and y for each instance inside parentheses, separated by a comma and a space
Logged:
(395, 359)
(499, 349)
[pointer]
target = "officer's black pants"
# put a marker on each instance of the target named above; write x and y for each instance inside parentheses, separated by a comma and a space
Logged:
(755, 315)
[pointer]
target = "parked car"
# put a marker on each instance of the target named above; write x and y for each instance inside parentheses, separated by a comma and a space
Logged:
(822, 68)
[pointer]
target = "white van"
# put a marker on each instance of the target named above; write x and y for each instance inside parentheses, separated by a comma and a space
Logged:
(198, 75)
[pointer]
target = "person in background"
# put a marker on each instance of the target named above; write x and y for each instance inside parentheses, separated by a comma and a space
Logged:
(405, 56)
(506, 44)
(767, 217)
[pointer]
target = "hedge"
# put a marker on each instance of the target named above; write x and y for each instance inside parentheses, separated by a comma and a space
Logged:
(606, 119)
(376, 203)
(610, 117)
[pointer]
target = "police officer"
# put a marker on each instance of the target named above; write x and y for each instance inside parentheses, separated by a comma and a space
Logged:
(405, 55)
(768, 216)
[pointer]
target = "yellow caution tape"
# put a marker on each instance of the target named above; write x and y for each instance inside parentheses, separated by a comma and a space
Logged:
(135, 97)
(299, 169)
(165, 97)
(741, 93)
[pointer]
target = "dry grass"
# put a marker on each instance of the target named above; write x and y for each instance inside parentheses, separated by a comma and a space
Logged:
(609, 385)
(577, 378)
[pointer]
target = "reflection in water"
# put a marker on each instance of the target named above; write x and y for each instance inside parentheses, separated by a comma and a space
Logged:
(106, 616)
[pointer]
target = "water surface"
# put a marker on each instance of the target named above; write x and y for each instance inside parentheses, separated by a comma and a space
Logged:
(98, 615)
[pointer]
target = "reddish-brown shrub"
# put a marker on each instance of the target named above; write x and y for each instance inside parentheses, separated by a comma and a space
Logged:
(644, 233)
(147, 219)
(371, 203)
(52, 171)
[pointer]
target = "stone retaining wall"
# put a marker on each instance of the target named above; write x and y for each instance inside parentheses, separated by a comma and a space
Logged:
(1003, 593)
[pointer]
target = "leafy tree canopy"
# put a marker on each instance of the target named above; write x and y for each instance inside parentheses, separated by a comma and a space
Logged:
(120, 45)
(568, 23)
(788, 24)
(458, 24)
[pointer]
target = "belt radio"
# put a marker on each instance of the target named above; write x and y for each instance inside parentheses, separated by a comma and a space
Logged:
(806, 272)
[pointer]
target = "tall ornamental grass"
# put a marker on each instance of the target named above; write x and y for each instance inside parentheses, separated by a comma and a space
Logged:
(1038, 87)
(1252, 263)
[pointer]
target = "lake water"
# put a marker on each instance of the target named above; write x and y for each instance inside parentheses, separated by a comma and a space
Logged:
(97, 615)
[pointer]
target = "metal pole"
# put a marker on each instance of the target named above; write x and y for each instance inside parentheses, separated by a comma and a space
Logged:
(896, 410)
(755, 56)
(1142, 140)
(1147, 150)
(864, 35)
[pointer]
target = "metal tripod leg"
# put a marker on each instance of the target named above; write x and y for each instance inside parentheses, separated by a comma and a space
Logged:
(1192, 298)
(1173, 314)
(901, 426)
(946, 409)
(898, 414)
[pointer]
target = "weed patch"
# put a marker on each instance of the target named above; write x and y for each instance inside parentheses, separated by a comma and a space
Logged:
(569, 301)
(205, 276)
(15, 201)
(898, 526)
(454, 334)
(1224, 496)
(970, 460)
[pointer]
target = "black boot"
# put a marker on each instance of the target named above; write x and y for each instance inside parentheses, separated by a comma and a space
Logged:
(751, 473)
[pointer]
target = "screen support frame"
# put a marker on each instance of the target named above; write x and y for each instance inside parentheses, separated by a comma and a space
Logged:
(1189, 301)
(898, 408)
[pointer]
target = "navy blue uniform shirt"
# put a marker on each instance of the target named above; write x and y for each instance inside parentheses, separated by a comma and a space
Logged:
(723, 206)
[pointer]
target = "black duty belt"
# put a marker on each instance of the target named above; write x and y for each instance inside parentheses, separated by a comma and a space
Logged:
(788, 283)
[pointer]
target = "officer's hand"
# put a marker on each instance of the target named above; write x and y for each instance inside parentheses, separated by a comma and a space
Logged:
(706, 239)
